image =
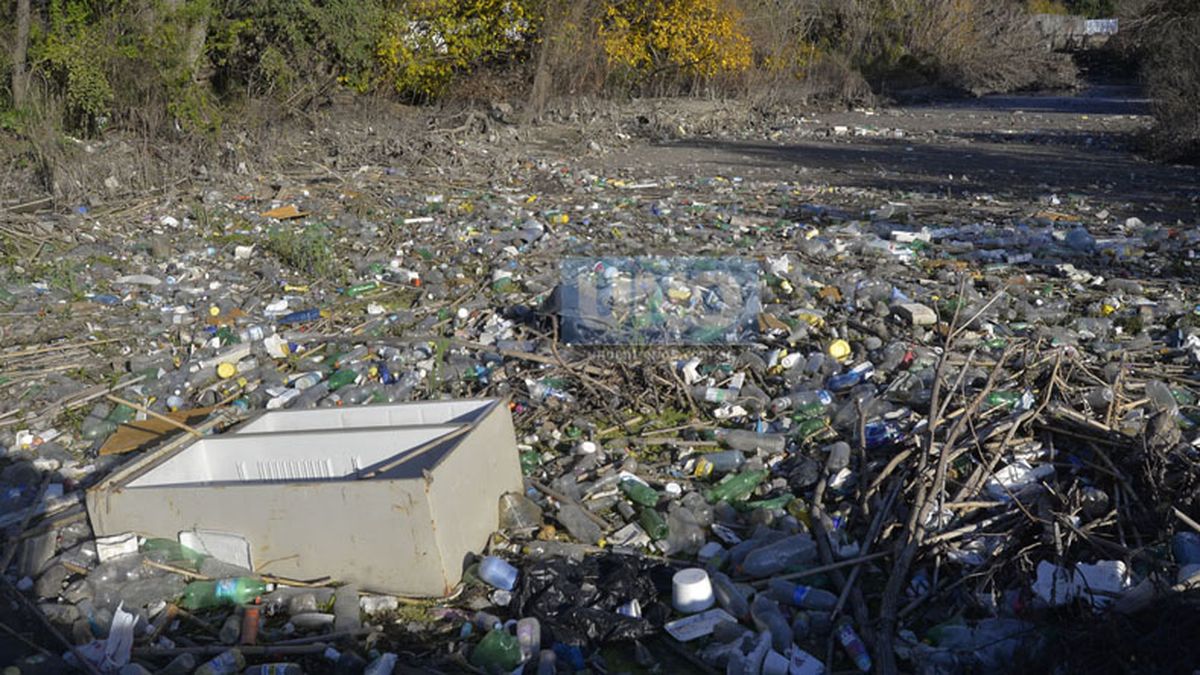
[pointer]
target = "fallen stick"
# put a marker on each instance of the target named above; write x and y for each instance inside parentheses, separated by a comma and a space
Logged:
(158, 416)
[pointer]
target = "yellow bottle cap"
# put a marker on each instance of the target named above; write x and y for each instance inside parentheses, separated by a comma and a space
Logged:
(840, 350)
(226, 370)
(214, 310)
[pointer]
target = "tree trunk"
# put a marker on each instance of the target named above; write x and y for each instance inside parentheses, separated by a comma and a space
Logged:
(20, 72)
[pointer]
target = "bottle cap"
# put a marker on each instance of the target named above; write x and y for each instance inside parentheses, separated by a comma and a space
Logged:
(840, 350)
(226, 370)
(691, 591)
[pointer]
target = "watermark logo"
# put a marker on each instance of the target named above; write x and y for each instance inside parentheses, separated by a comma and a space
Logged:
(659, 300)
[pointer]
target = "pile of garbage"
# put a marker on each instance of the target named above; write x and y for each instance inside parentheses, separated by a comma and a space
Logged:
(935, 447)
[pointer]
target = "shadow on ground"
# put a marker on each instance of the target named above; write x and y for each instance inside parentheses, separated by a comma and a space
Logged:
(1020, 170)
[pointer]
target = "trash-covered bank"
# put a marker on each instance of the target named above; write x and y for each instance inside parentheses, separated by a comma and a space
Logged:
(952, 443)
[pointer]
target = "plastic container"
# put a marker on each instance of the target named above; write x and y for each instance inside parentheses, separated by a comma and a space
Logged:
(691, 591)
(498, 573)
(804, 597)
(499, 651)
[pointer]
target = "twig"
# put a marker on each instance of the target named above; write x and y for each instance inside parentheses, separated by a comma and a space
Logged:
(162, 418)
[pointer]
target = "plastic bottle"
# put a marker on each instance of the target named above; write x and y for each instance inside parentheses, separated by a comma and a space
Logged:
(275, 669)
(486, 621)
(719, 463)
(736, 487)
(797, 399)
(685, 535)
(383, 665)
(749, 441)
(639, 493)
(227, 663)
(342, 378)
(771, 559)
(498, 572)
(180, 665)
(879, 434)
(713, 394)
(1100, 398)
(579, 525)
(1001, 399)
(232, 591)
(1161, 397)
(345, 663)
(654, 524)
(529, 637)
(766, 616)
(852, 378)
(839, 457)
(499, 651)
(728, 596)
(804, 597)
(853, 645)
(302, 316)
(231, 629)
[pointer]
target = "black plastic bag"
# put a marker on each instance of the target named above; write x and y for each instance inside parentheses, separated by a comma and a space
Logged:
(577, 602)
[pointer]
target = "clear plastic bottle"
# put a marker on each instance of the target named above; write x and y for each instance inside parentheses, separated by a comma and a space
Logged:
(801, 398)
(529, 637)
(839, 457)
(684, 533)
(766, 616)
(798, 549)
(750, 441)
(719, 463)
(728, 596)
(804, 597)
(274, 669)
(383, 665)
(226, 663)
(180, 665)
(579, 525)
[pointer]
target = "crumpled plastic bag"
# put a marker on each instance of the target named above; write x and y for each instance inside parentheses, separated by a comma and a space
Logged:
(110, 654)
(576, 602)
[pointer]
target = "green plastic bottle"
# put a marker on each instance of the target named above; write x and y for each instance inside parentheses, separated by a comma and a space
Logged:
(359, 289)
(639, 493)
(498, 652)
(736, 487)
(654, 524)
(1001, 399)
(172, 552)
(232, 591)
(341, 378)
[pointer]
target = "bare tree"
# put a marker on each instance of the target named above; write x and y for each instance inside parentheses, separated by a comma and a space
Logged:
(20, 72)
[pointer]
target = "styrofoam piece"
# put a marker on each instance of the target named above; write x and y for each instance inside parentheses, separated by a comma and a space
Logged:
(116, 545)
(226, 547)
(698, 625)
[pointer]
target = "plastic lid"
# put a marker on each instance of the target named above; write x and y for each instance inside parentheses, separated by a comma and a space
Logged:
(226, 370)
(840, 350)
